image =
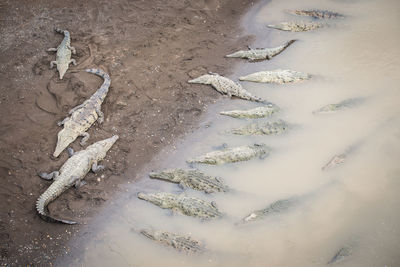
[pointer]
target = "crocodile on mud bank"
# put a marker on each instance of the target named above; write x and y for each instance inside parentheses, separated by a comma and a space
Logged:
(179, 242)
(225, 86)
(261, 128)
(183, 204)
(260, 53)
(192, 178)
(71, 173)
(230, 155)
(255, 113)
(276, 76)
(276, 207)
(63, 57)
(345, 104)
(299, 26)
(316, 13)
(83, 116)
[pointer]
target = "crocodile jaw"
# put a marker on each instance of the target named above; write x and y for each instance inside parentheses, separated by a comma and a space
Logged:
(62, 69)
(166, 175)
(65, 137)
(205, 79)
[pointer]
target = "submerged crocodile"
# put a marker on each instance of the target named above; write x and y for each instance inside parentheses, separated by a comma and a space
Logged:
(183, 204)
(332, 108)
(335, 161)
(63, 58)
(261, 53)
(299, 26)
(83, 116)
(317, 14)
(276, 207)
(235, 154)
(343, 253)
(225, 86)
(178, 242)
(276, 76)
(255, 113)
(261, 128)
(72, 173)
(192, 178)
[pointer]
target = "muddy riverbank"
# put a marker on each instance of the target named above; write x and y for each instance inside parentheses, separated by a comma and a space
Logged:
(149, 48)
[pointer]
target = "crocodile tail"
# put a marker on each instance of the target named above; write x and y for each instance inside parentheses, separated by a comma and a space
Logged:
(41, 206)
(105, 76)
(65, 32)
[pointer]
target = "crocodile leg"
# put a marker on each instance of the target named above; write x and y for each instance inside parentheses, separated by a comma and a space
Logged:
(101, 115)
(96, 168)
(72, 49)
(79, 184)
(75, 108)
(85, 138)
(52, 50)
(50, 176)
(71, 152)
(52, 63)
(61, 123)
(73, 61)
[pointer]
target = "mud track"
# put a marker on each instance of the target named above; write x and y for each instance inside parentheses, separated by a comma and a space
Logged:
(149, 48)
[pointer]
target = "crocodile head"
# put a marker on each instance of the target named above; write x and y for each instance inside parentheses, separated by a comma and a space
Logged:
(65, 137)
(106, 144)
(205, 79)
(173, 175)
(163, 200)
(62, 69)
(149, 234)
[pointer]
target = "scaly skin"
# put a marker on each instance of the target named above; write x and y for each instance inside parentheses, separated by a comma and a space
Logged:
(261, 53)
(229, 155)
(332, 108)
(255, 113)
(179, 242)
(317, 14)
(276, 207)
(343, 253)
(72, 173)
(189, 206)
(63, 58)
(83, 116)
(296, 26)
(192, 178)
(276, 76)
(225, 86)
(261, 128)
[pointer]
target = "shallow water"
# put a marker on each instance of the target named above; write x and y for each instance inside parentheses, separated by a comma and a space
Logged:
(355, 204)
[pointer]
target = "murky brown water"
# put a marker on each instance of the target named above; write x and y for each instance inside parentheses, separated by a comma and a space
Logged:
(355, 204)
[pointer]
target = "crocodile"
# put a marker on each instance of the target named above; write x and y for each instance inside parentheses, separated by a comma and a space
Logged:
(276, 207)
(317, 14)
(276, 76)
(332, 108)
(225, 86)
(72, 173)
(261, 53)
(63, 58)
(255, 113)
(343, 253)
(335, 161)
(299, 26)
(192, 178)
(183, 204)
(263, 128)
(235, 154)
(83, 116)
(178, 242)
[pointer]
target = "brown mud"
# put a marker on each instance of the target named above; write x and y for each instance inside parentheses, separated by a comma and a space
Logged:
(149, 48)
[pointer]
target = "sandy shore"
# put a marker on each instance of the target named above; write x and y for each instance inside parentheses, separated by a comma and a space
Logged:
(149, 48)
